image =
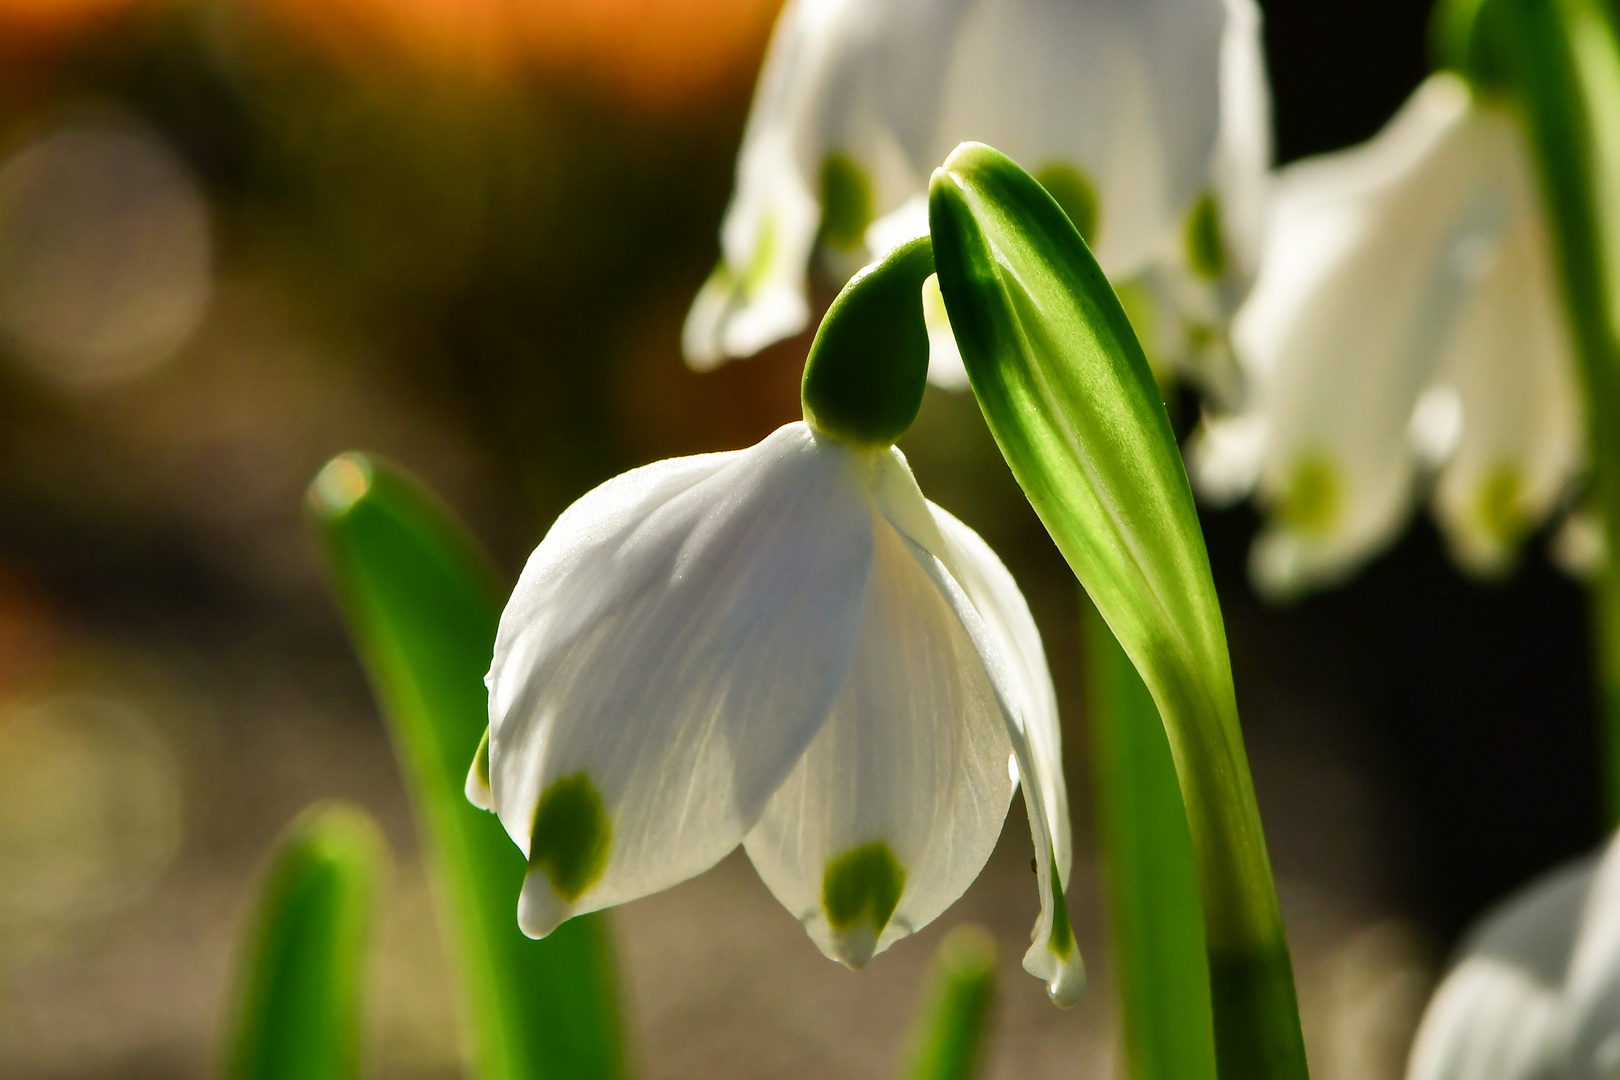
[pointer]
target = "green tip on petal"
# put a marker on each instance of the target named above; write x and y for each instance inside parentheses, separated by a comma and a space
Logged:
(859, 892)
(864, 379)
(846, 202)
(1072, 190)
(1206, 252)
(1061, 941)
(571, 836)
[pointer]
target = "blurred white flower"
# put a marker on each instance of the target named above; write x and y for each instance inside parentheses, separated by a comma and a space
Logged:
(1536, 995)
(786, 647)
(1405, 320)
(1148, 120)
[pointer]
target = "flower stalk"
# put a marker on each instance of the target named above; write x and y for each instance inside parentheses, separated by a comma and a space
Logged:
(1072, 403)
(1559, 61)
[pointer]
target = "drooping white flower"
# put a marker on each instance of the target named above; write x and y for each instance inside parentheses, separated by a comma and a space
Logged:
(1405, 319)
(1536, 995)
(786, 647)
(1148, 120)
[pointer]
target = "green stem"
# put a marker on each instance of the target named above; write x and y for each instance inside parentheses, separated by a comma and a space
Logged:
(1152, 875)
(298, 1009)
(422, 604)
(1561, 60)
(950, 1029)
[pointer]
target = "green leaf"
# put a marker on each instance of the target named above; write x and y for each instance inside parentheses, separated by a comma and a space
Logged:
(1072, 403)
(1560, 61)
(422, 603)
(298, 1011)
(950, 1029)
(1152, 878)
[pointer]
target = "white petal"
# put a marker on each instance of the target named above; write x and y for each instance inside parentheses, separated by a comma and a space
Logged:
(1008, 645)
(1243, 152)
(996, 597)
(677, 640)
(1127, 94)
(945, 367)
(1510, 363)
(1498, 1014)
(1364, 280)
(912, 758)
(1592, 990)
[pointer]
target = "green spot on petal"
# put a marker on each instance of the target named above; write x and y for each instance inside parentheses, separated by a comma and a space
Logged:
(1311, 503)
(1501, 505)
(862, 885)
(1072, 190)
(759, 266)
(846, 202)
(1061, 941)
(571, 836)
(481, 760)
(1206, 253)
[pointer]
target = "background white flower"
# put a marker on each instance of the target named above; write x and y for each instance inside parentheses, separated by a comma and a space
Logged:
(1405, 319)
(1536, 995)
(786, 647)
(1147, 119)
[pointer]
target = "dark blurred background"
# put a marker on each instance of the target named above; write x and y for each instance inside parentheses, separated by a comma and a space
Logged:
(238, 237)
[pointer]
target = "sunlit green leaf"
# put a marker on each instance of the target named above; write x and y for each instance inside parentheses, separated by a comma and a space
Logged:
(950, 1029)
(422, 603)
(1072, 403)
(298, 1013)
(1153, 906)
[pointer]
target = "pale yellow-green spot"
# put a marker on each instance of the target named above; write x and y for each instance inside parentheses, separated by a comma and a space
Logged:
(340, 484)
(1061, 940)
(1310, 504)
(1206, 252)
(1072, 190)
(571, 836)
(1142, 309)
(764, 257)
(1500, 504)
(862, 885)
(846, 202)
(481, 760)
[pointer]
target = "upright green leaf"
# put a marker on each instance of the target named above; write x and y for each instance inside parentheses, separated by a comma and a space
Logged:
(950, 1030)
(1560, 60)
(1073, 405)
(1153, 905)
(298, 1013)
(422, 604)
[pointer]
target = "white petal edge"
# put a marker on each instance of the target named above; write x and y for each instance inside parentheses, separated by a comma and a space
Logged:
(679, 638)
(912, 757)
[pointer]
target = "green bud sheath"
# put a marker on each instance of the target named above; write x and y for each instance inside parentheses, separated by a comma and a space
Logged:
(864, 380)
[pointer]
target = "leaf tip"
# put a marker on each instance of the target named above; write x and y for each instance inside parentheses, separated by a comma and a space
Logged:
(340, 484)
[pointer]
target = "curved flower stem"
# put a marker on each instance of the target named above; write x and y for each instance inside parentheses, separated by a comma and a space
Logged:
(1560, 60)
(422, 601)
(1152, 876)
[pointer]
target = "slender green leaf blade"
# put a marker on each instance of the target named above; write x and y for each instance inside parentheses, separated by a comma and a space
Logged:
(1072, 403)
(1153, 904)
(950, 1029)
(298, 1011)
(422, 603)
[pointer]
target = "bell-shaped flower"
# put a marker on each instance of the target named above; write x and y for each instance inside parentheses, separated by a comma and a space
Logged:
(1148, 121)
(790, 648)
(1405, 319)
(1536, 993)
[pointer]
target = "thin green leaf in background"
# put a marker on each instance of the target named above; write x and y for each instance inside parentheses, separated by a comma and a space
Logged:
(950, 1030)
(422, 603)
(298, 1015)
(1152, 876)
(1070, 399)
(1560, 59)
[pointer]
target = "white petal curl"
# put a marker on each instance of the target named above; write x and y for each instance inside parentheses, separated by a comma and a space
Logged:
(679, 638)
